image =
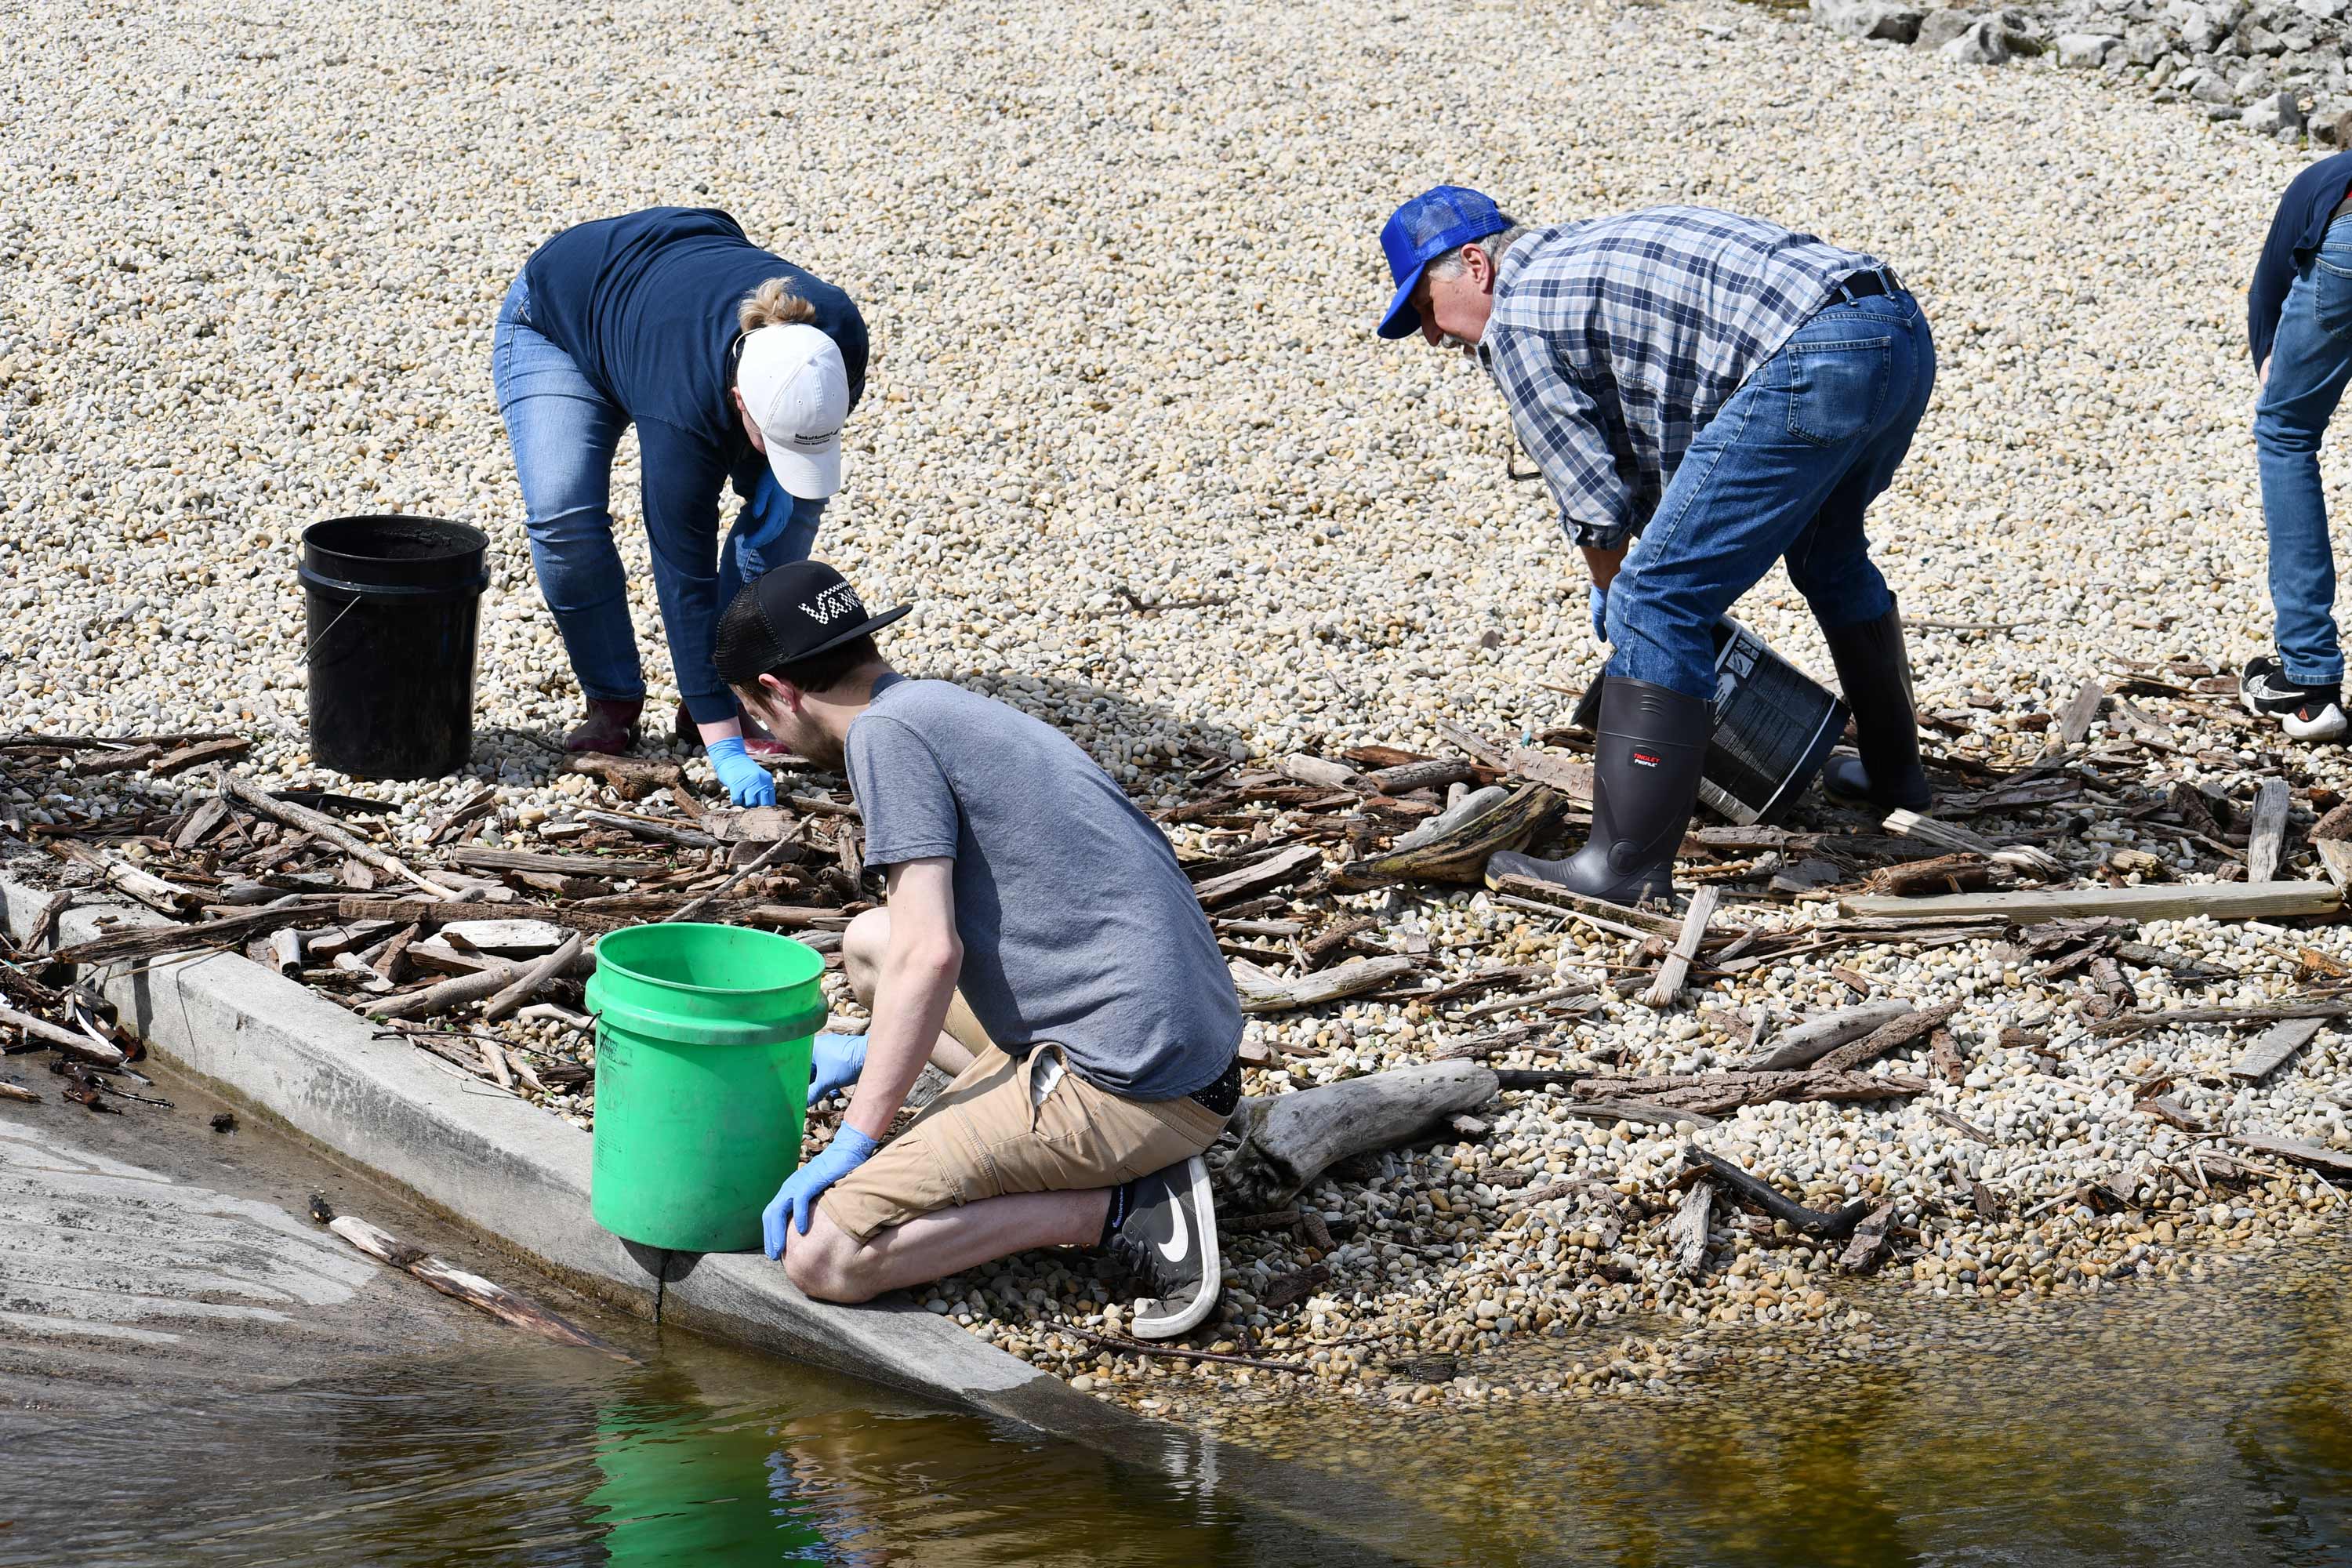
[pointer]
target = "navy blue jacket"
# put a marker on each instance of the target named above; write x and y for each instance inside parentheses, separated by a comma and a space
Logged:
(645, 306)
(2296, 233)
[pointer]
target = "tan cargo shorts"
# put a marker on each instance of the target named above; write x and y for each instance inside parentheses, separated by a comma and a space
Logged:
(1007, 1126)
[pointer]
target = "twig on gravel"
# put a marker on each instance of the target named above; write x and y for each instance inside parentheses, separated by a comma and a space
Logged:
(304, 820)
(1178, 1351)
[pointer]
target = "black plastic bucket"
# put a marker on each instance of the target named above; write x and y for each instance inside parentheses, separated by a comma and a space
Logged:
(393, 604)
(1774, 726)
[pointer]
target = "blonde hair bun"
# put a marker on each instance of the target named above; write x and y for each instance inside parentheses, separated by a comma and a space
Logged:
(774, 304)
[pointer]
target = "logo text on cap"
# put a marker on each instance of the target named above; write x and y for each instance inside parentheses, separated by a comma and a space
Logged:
(835, 602)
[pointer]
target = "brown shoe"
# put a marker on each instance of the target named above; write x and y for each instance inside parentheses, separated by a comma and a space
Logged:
(610, 727)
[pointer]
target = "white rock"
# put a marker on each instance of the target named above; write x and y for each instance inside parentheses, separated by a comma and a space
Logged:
(2086, 51)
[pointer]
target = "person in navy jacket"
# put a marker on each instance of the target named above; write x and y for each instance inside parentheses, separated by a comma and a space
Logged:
(2299, 327)
(737, 368)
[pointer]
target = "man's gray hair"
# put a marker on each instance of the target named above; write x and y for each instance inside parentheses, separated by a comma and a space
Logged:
(1492, 247)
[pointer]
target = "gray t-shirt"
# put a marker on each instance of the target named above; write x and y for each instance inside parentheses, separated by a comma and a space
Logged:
(1077, 925)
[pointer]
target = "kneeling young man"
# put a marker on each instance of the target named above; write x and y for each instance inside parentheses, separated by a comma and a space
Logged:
(1041, 945)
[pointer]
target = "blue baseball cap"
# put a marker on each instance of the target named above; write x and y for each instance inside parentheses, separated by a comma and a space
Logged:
(1440, 219)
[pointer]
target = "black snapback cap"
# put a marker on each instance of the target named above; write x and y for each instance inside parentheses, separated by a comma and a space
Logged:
(799, 610)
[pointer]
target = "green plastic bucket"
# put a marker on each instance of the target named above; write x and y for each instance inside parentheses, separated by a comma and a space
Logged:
(702, 1068)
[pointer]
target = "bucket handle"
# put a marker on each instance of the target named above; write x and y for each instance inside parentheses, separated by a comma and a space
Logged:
(477, 584)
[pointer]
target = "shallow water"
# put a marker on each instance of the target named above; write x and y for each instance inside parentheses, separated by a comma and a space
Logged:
(558, 1457)
(2211, 1425)
(2208, 1424)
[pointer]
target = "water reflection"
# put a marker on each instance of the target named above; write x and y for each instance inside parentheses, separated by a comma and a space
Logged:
(2205, 1426)
(540, 1456)
(679, 1486)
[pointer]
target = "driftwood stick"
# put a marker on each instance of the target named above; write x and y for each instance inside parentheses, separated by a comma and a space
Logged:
(2329, 1162)
(2266, 838)
(2075, 719)
(1178, 1351)
(303, 819)
(45, 924)
(533, 979)
(1773, 1200)
(163, 941)
(765, 859)
(148, 889)
(17, 1091)
(1888, 1036)
(1283, 865)
(1687, 1232)
(452, 993)
(1558, 898)
(1290, 1140)
(649, 828)
(471, 1288)
(2132, 1023)
(1640, 1113)
(1944, 874)
(15, 982)
(2155, 901)
(1676, 967)
(1808, 1042)
(1952, 835)
(2277, 1043)
(494, 1057)
(1869, 1239)
(1264, 993)
(64, 1039)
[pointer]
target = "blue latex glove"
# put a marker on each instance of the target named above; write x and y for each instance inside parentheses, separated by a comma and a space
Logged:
(784, 529)
(793, 1201)
(834, 1064)
(1600, 613)
(748, 783)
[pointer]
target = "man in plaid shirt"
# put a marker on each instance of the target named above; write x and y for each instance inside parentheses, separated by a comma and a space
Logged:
(1705, 395)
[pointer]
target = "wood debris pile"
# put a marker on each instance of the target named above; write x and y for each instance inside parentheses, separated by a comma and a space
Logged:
(321, 886)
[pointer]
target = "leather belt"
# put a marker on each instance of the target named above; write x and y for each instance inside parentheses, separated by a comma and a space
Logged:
(1865, 285)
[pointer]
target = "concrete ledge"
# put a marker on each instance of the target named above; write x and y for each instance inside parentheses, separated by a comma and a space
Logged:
(520, 1174)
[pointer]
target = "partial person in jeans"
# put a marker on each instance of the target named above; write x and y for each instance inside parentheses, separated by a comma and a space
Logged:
(2299, 326)
(1040, 944)
(1704, 394)
(737, 367)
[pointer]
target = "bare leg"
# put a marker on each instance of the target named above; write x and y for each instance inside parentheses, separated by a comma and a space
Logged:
(862, 947)
(829, 1265)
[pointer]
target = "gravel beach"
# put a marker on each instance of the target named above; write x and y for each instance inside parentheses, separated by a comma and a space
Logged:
(1122, 271)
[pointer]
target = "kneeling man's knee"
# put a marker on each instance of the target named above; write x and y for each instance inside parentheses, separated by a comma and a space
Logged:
(823, 1264)
(863, 946)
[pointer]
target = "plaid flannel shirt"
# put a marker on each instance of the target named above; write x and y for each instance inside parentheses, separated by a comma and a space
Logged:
(1614, 340)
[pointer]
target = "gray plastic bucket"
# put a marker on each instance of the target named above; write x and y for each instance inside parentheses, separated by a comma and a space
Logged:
(1774, 726)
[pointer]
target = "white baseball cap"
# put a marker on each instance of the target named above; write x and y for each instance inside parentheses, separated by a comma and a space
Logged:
(797, 392)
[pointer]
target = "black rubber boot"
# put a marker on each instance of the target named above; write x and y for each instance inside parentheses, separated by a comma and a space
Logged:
(1650, 743)
(1876, 674)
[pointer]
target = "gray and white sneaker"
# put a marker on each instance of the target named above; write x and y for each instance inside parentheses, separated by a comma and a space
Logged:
(2304, 712)
(1168, 1242)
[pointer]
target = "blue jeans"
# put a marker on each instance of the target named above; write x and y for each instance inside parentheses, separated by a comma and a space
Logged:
(2310, 362)
(1786, 467)
(563, 433)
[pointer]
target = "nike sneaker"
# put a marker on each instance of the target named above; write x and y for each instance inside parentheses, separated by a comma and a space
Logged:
(1167, 1237)
(2305, 712)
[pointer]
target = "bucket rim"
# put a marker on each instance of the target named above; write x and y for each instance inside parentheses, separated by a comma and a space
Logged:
(619, 966)
(463, 538)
